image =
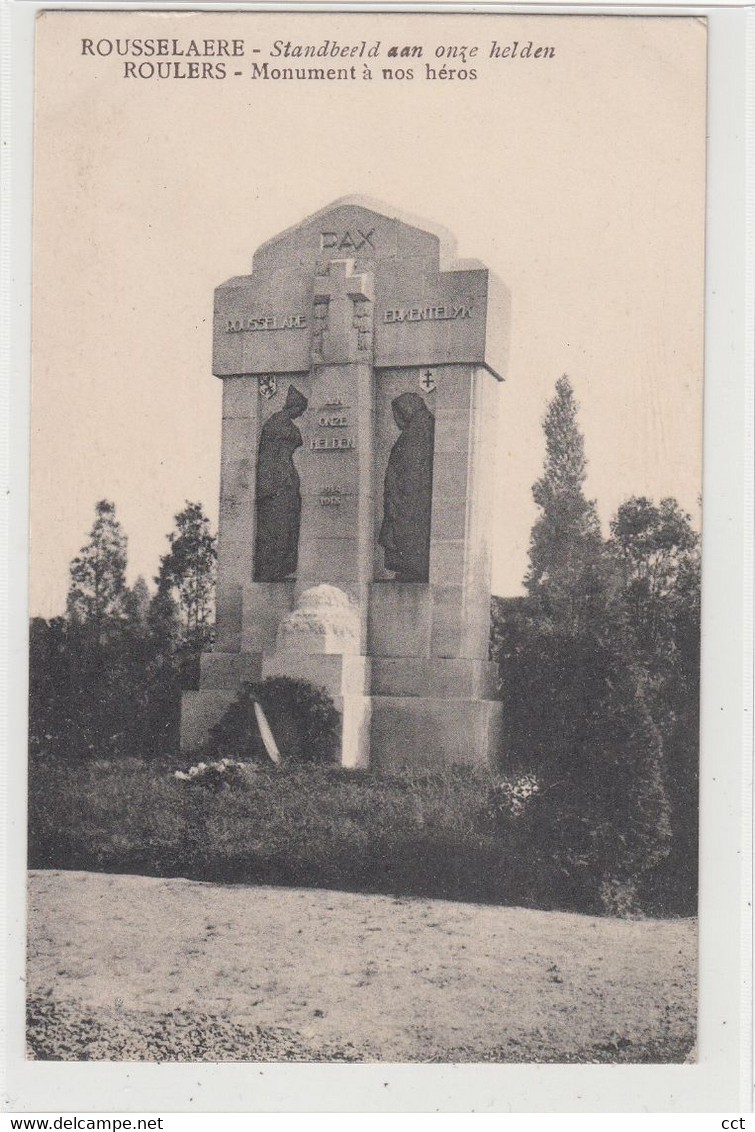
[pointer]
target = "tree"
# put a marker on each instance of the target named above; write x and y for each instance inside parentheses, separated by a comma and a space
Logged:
(136, 605)
(567, 572)
(658, 553)
(187, 574)
(106, 680)
(49, 684)
(79, 702)
(576, 710)
(98, 573)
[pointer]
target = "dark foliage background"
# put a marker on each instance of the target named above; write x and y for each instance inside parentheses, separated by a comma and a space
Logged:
(599, 676)
(106, 679)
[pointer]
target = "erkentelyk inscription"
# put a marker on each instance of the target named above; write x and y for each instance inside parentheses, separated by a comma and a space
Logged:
(426, 314)
(267, 322)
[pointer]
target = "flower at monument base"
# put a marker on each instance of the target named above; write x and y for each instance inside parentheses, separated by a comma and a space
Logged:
(509, 796)
(214, 774)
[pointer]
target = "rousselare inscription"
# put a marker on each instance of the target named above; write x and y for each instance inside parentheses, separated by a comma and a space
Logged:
(267, 322)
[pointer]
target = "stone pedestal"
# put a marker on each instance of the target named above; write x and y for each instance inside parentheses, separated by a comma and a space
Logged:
(354, 309)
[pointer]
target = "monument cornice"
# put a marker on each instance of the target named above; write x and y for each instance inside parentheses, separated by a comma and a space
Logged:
(422, 313)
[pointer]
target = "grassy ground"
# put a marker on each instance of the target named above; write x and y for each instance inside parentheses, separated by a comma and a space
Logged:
(137, 968)
(419, 834)
(302, 826)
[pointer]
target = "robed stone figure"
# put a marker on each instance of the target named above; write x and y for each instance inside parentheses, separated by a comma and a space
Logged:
(407, 501)
(278, 495)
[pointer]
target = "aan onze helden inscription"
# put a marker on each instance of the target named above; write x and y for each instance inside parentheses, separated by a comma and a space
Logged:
(332, 415)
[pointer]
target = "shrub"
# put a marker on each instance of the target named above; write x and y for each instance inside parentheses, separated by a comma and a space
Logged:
(99, 694)
(302, 718)
(576, 715)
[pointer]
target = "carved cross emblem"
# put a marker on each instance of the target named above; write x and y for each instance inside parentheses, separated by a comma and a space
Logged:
(427, 380)
(349, 296)
(268, 386)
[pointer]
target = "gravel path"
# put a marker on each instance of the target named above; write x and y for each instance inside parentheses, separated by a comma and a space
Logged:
(68, 1032)
(138, 968)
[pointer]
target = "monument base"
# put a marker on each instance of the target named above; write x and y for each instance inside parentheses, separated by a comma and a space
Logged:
(395, 713)
(200, 711)
(424, 733)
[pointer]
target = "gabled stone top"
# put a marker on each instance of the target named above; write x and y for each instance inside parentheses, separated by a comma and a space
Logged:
(349, 230)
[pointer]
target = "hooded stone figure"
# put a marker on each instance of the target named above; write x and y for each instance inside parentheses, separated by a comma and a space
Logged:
(278, 496)
(407, 500)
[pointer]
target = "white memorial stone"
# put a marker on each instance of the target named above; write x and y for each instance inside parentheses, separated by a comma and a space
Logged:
(325, 620)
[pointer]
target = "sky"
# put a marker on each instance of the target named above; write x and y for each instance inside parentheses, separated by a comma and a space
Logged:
(579, 180)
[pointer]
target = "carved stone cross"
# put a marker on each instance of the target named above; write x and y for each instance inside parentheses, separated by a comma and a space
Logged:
(427, 380)
(343, 314)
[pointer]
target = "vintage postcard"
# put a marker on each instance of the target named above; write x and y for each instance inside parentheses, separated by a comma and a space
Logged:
(365, 521)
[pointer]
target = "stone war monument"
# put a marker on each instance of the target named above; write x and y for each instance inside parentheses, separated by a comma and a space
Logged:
(361, 369)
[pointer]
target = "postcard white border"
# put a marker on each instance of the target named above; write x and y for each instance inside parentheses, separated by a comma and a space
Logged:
(722, 1078)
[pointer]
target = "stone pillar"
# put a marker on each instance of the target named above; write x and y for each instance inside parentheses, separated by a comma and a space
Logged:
(336, 462)
(460, 555)
(320, 641)
(433, 687)
(335, 545)
(237, 494)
